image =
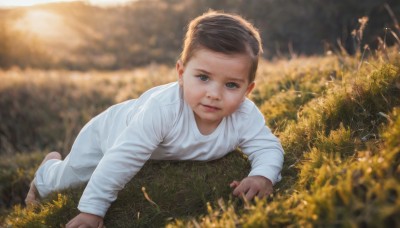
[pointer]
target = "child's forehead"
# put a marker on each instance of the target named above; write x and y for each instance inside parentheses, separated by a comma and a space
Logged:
(207, 53)
(235, 65)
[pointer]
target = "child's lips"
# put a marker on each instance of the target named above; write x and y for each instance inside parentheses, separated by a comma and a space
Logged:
(210, 108)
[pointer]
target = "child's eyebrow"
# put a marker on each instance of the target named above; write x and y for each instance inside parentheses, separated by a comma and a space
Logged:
(203, 71)
(239, 80)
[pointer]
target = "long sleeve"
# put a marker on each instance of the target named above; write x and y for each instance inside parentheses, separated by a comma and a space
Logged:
(132, 148)
(262, 147)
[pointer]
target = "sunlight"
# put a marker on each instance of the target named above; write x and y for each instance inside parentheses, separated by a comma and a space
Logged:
(41, 23)
(48, 27)
(19, 3)
(13, 3)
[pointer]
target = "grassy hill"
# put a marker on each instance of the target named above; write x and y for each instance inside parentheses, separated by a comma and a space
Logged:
(338, 118)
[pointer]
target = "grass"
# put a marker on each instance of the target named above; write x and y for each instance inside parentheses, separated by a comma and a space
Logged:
(162, 191)
(338, 123)
(52, 106)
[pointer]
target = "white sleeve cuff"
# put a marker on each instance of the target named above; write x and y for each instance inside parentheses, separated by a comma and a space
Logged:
(94, 209)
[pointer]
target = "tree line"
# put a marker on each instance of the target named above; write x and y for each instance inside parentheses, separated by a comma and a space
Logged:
(147, 32)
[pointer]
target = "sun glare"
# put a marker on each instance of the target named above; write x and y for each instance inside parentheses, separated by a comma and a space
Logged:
(39, 21)
(19, 3)
(48, 27)
(11, 3)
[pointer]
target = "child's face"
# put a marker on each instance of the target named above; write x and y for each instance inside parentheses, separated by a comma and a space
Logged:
(214, 84)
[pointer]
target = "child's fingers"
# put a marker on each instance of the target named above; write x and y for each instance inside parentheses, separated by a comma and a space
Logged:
(234, 184)
(240, 189)
(250, 194)
(262, 194)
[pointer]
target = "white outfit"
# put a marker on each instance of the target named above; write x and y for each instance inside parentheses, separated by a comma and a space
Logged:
(158, 125)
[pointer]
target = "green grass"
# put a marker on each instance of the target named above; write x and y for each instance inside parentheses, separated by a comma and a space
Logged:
(339, 125)
(16, 173)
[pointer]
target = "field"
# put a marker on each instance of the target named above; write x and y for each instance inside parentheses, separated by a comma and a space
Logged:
(337, 116)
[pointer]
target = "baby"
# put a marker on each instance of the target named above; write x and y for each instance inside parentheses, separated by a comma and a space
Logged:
(203, 116)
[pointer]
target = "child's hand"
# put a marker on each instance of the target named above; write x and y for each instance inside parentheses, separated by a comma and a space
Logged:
(86, 220)
(252, 186)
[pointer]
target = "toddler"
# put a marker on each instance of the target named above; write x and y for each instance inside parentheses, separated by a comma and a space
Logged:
(203, 116)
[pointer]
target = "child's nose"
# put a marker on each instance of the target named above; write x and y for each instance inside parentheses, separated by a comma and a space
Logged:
(214, 92)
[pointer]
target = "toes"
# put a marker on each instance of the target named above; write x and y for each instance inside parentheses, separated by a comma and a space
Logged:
(31, 196)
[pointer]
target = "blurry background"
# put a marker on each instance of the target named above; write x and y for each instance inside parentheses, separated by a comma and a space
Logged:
(125, 34)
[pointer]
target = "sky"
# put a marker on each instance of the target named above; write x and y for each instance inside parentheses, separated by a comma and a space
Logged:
(17, 3)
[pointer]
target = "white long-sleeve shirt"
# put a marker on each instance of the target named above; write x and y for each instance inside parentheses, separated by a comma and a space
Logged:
(160, 125)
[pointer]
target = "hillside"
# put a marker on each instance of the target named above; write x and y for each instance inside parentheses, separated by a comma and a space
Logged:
(337, 116)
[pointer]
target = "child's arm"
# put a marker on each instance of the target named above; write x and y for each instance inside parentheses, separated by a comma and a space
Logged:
(86, 220)
(265, 154)
(132, 148)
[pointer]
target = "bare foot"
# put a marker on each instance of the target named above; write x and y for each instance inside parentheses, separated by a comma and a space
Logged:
(31, 197)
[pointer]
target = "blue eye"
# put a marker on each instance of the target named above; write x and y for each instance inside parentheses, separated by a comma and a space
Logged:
(203, 77)
(232, 85)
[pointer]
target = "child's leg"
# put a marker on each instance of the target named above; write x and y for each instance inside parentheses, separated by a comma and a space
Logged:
(31, 197)
(76, 168)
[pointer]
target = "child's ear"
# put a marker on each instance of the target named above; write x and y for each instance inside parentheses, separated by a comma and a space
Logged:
(180, 69)
(250, 88)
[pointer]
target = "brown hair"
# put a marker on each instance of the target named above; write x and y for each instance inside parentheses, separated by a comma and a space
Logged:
(224, 33)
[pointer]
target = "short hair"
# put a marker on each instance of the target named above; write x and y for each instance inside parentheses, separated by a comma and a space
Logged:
(224, 33)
